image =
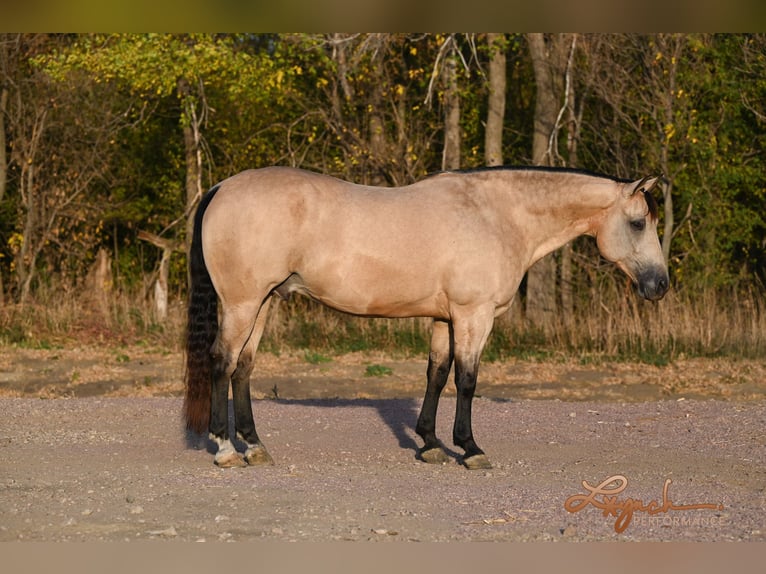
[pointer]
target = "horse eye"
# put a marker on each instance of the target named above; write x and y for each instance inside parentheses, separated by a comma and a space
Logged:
(638, 224)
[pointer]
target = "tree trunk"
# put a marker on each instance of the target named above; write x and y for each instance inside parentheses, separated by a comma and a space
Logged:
(493, 136)
(3, 157)
(541, 277)
(676, 46)
(667, 230)
(3, 167)
(192, 154)
(451, 153)
(160, 289)
(99, 282)
(377, 148)
(573, 137)
(193, 183)
(546, 99)
(378, 144)
(32, 202)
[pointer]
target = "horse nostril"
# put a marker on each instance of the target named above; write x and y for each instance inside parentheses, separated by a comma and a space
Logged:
(653, 285)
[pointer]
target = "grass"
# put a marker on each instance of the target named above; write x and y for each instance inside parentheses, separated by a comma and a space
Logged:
(376, 370)
(607, 326)
(62, 317)
(314, 358)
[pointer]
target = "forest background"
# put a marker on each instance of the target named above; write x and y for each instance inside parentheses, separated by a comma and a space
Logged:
(107, 142)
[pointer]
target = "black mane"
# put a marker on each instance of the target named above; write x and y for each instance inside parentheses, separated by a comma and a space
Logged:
(533, 168)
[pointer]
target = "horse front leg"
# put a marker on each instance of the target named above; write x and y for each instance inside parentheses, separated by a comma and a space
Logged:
(439, 365)
(470, 334)
(462, 434)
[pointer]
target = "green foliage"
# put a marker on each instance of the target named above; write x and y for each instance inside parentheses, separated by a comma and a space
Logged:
(354, 105)
(315, 358)
(376, 370)
(694, 112)
(152, 65)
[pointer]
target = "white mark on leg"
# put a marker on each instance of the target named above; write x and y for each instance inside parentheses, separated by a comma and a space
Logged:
(227, 456)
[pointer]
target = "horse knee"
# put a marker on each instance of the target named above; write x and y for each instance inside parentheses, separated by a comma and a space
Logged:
(465, 380)
(245, 364)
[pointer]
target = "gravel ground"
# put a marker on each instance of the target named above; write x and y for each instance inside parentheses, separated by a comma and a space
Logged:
(122, 468)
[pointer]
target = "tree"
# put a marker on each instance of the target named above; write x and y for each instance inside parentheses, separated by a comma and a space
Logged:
(4, 93)
(162, 65)
(61, 148)
(677, 104)
(451, 103)
(493, 138)
(360, 100)
(551, 59)
(111, 138)
(154, 66)
(644, 94)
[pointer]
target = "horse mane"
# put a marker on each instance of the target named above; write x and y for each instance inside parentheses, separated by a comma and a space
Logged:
(651, 202)
(539, 168)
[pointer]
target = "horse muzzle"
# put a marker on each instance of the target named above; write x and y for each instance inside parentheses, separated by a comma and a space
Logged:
(653, 284)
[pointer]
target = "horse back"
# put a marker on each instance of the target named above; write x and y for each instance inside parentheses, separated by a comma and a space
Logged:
(367, 250)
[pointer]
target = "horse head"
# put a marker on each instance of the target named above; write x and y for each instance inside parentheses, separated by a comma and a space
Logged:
(627, 236)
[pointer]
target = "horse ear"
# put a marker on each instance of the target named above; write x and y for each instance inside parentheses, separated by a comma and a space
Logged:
(646, 184)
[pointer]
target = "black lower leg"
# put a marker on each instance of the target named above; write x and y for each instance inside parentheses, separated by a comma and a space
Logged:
(243, 408)
(438, 371)
(219, 402)
(465, 380)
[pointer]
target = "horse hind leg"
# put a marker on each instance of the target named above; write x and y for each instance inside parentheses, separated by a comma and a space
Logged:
(237, 325)
(226, 455)
(256, 453)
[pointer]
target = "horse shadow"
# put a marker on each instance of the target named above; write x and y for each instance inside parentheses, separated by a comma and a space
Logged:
(399, 415)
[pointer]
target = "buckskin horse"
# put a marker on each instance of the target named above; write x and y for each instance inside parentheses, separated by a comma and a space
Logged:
(453, 247)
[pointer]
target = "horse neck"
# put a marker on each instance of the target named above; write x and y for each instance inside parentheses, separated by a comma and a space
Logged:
(554, 213)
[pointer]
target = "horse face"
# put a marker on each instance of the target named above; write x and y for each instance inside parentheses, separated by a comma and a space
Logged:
(628, 238)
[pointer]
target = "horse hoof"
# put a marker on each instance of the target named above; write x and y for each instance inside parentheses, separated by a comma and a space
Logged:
(258, 456)
(230, 460)
(477, 462)
(434, 456)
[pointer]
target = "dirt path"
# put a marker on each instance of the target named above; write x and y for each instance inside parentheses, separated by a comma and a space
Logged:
(111, 462)
(143, 372)
(121, 469)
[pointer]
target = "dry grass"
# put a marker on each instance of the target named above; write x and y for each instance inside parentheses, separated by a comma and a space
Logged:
(58, 319)
(708, 325)
(607, 326)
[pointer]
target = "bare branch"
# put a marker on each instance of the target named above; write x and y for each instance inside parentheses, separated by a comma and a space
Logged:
(161, 242)
(448, 44)
(552, 151)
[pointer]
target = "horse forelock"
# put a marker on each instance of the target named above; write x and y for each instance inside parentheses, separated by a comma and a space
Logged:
(651, 203)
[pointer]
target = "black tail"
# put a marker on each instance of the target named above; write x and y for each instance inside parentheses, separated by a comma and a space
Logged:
(201, 329)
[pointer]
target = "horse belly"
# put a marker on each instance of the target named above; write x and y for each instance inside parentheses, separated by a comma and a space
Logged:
(368, 286)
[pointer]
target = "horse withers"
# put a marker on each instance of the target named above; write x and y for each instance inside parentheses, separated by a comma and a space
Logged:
(453, 246)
